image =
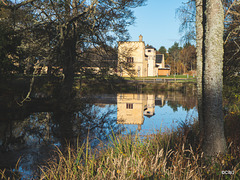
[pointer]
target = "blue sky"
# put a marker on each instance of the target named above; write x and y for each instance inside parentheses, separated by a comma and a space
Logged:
(157, 23)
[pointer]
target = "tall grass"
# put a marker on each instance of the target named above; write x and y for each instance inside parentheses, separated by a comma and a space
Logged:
(160, 156)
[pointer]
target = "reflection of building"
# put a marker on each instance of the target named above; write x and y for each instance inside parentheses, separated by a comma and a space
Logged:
(131, 108)
(150, 111)
(160, 100)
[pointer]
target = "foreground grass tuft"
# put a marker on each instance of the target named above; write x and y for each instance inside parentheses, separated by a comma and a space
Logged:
(160, 156)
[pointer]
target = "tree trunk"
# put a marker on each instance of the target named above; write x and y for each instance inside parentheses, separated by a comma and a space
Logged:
(214, 140)
(49, 71)
(199, 50)
(69, 56)
(65, 101)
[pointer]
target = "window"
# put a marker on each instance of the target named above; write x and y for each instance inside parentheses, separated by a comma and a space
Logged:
(130, 59)
(129, 106)
(149, 50)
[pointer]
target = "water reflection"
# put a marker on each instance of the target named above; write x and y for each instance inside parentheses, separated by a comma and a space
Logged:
(31, 131)
(130, 108)
(28, 139)
(46, 123)
(135, 109)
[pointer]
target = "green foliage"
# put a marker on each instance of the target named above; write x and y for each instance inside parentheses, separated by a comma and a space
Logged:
(174, 49)
(163, 50)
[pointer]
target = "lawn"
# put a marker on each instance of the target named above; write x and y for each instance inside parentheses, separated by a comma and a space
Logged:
(161, 77)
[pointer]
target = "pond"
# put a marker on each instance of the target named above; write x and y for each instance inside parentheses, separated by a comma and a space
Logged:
(32, 132)
(150, 113)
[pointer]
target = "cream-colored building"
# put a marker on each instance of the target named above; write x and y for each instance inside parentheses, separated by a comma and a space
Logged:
(151, 53)
(134, 59)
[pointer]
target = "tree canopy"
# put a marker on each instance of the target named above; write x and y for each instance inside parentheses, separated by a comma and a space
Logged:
(58, 33)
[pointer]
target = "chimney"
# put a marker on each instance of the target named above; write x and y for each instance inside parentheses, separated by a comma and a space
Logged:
(140, 38)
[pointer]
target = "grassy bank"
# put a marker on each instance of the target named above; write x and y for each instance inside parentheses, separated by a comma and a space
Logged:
(166, 77)
(176, 78)
(132, 86)
(104, 85)
(183, 87)
(169, 155)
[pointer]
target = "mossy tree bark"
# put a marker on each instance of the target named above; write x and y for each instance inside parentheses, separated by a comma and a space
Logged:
(199, 50)
(212, 79)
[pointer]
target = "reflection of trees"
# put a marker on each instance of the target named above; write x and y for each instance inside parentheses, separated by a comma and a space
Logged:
(178, 99)
(98, 122)
(78, 118)
(64, 124)
(174, 105)
(32, 137)
(45, 127)
(29, 139)
(35, 129)
(57, 121)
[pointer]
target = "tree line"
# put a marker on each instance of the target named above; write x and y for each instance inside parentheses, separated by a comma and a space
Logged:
(182, 60)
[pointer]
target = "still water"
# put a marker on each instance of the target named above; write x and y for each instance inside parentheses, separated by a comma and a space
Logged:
(32, 132)
(150, 113)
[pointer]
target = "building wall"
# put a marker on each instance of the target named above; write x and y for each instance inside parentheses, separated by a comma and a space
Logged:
(135, 49)
(163, 72)
(151, 53)
(163, 61)
(161, 65)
